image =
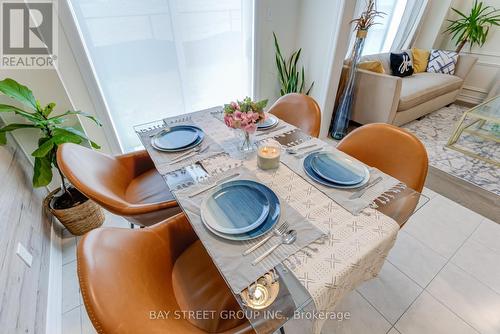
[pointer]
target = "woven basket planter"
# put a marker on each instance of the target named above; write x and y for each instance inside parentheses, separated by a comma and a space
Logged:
(79, 219)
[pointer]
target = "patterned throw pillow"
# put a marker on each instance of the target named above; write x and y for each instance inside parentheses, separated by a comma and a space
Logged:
(401, 64)
(441, 61)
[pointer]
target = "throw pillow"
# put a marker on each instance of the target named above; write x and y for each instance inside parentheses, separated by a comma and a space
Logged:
(372, 65)
(401, 64)
(420, 59)
(441, 61)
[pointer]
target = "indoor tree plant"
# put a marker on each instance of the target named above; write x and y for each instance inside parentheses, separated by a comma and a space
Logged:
(71, 207)
(291, 80)
(474, 27)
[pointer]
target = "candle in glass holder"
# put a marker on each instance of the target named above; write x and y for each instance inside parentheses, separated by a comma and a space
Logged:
(268, 155)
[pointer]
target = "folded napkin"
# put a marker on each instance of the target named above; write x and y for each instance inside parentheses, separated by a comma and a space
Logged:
(227, 255)
(342, 196)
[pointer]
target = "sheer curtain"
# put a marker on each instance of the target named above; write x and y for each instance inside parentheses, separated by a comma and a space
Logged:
(396, 29)
(159, 58)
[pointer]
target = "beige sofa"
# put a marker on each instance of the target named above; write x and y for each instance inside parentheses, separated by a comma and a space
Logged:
(394, 100)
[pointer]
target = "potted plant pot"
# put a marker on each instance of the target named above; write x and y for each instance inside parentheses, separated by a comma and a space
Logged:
(75, 211)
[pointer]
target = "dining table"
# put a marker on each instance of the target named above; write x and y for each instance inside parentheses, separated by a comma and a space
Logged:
(341, 241)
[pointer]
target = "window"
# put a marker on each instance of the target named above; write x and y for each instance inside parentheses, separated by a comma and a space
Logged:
(381, 36)
(160, 58)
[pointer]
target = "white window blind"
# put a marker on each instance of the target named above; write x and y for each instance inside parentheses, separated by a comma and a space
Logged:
(160, 58)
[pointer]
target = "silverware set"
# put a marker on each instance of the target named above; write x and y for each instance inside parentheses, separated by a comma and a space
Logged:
(287, 238)
(189, 154)
(263, 133)
(286, 235)
(302, 155)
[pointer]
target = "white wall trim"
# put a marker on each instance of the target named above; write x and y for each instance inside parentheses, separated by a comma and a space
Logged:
(487, 64)
(53, 323)
(487, 54)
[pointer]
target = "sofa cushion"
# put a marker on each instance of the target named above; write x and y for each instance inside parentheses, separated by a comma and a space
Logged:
(420, 59)
(422, 87)
(442, 61)
(372, 65)
(401, 64)
(384, 58)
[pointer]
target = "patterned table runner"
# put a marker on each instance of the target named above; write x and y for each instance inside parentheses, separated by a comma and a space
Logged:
(357, 245)
(236, 268)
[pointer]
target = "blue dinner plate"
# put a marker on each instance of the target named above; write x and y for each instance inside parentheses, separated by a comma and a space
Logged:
(316, 177)
(338, 168)
(178, 138)
(265, 227)
(268, 123)
(235, 207)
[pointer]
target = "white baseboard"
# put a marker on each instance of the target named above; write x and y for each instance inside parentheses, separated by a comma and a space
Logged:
(471, 94)
(54, 300)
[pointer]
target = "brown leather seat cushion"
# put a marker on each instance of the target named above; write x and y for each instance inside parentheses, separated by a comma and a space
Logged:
(198, 286)
(148, 187)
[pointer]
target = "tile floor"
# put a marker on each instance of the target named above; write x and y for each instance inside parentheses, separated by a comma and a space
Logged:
(442, 276)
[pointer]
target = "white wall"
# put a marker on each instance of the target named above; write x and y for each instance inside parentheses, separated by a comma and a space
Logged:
(487, 70)
(280, 16)
(324, 31)
(320, 28)
(63, 85)
(485, 73)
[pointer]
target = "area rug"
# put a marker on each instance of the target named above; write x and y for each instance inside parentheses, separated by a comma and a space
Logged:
(435, 129)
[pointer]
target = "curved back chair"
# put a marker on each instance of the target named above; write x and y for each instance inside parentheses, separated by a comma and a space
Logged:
(127, 276)
(127, 185)
(299, 110)
(390, 149)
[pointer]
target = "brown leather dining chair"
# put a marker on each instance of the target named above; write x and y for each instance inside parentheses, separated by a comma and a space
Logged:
(127, 185)
(299, 110)
(144, 280)
(395, 152)
(390, 149)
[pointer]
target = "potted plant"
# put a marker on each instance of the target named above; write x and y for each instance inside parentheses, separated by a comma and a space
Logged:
(474, 27)
(291, 81)
(73, 209)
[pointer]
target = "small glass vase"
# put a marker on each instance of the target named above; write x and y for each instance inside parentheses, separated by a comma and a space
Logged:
(247, 141)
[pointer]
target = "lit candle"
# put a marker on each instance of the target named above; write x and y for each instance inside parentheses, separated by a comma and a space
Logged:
(268, 155)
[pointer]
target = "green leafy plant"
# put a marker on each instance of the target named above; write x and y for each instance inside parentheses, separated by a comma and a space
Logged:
(51, 129)
(291, 80)
(474, 27)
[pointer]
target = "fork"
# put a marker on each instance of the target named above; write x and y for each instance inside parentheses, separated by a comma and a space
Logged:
(276, 232)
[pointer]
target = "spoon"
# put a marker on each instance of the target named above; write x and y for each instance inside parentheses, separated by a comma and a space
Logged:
(292, 150)
(286, 239)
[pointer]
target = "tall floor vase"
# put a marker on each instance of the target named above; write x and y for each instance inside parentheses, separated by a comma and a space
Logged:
(343, 112)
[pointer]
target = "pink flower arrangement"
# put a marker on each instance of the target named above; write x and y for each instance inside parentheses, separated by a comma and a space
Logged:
(244, 115)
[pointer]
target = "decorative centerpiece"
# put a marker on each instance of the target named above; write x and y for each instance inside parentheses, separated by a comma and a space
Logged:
(343, 112)
(244, 116)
